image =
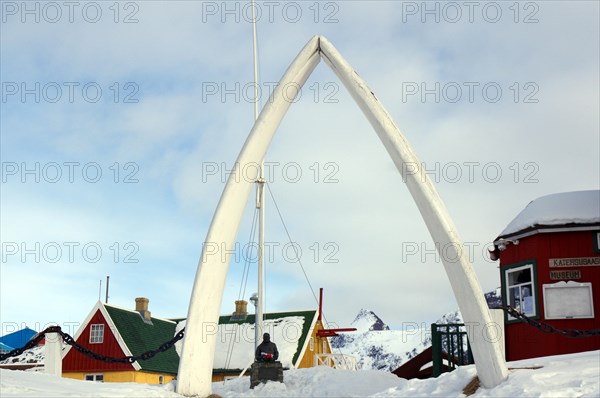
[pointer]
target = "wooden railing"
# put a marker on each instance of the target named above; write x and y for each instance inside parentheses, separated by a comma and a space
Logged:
(336, 361)
(450, 339)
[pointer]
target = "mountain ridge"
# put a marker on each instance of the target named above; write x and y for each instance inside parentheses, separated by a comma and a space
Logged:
(378, 347)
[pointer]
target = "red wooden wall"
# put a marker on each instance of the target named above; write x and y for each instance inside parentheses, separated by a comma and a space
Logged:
(77, 362)
(524, 341)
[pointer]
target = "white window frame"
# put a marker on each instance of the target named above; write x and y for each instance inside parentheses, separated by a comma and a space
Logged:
(548, 288)
(325, 346)
(97, 377)
(312, 343)
(97, 333)
(522, 292)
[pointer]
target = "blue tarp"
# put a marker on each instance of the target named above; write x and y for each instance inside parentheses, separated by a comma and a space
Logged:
(19, 338)
(4, 348)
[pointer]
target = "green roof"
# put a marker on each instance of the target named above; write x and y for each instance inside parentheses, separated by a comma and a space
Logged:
(140, 337)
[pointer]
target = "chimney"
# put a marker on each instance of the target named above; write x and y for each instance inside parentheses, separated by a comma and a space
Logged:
(241, 307)
(141, 306)
(241, 310)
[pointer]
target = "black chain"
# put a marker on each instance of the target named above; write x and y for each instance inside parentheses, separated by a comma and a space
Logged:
(542, 326)
(87, 352)
(546, 328)
(30, 344)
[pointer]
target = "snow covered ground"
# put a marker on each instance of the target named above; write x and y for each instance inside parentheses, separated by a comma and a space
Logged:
(574, 375)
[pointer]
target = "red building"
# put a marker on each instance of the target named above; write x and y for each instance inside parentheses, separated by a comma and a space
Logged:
(119, 332)
(550, 271)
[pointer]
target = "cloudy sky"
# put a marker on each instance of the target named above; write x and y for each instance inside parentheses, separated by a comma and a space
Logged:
(121, 120)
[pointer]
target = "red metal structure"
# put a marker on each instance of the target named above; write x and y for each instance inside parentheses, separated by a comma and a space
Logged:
(550, 271)
(328, 332)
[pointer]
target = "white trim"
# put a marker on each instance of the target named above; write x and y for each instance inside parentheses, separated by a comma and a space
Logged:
(545, 230)
(99, 337)
(530, 267)
(83, 325)
(111, 325)
(570, 284)
(94, 376)
(306, 340)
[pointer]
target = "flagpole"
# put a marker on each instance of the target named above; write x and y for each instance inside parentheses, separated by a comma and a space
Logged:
(260, 197)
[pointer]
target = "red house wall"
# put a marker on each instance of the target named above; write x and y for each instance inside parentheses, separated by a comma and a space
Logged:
(74, 361)
(524, 341)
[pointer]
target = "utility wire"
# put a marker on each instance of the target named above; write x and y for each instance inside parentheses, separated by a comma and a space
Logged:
(243, 284)
(292, 243)
(298, 257)
(246, 272)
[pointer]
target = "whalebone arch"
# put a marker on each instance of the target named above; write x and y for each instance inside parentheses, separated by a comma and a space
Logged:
(196, 363)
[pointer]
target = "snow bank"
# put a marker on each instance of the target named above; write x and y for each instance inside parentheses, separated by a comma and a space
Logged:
(314, 382)
(14, 383)
(574, 375)
(34, 355)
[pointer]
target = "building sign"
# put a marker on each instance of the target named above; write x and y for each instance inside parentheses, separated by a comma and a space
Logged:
(574, 262)
(568, 300)
(561, 275)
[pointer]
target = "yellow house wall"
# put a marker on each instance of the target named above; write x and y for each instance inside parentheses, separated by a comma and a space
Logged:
(308, 359)
(221, 376)
(129, 376)
(144, 377)
(152, 378)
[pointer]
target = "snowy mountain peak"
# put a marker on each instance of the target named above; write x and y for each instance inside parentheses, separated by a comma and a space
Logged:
(367, 321)
(450, 317)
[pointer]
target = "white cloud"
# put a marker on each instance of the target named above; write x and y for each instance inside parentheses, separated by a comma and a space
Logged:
(177, 128)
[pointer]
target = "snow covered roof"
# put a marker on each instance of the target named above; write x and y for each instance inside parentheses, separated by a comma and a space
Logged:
(235, 339)
(579, 209)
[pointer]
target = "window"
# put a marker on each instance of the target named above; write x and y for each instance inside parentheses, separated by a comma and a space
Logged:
(97, 334)
(519, 282)
(312, 344)
(161, 379)
(597, 242)
(325, 346)
(95, 377)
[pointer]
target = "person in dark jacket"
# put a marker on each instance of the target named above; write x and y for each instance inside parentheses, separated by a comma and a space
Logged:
(267, 350)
